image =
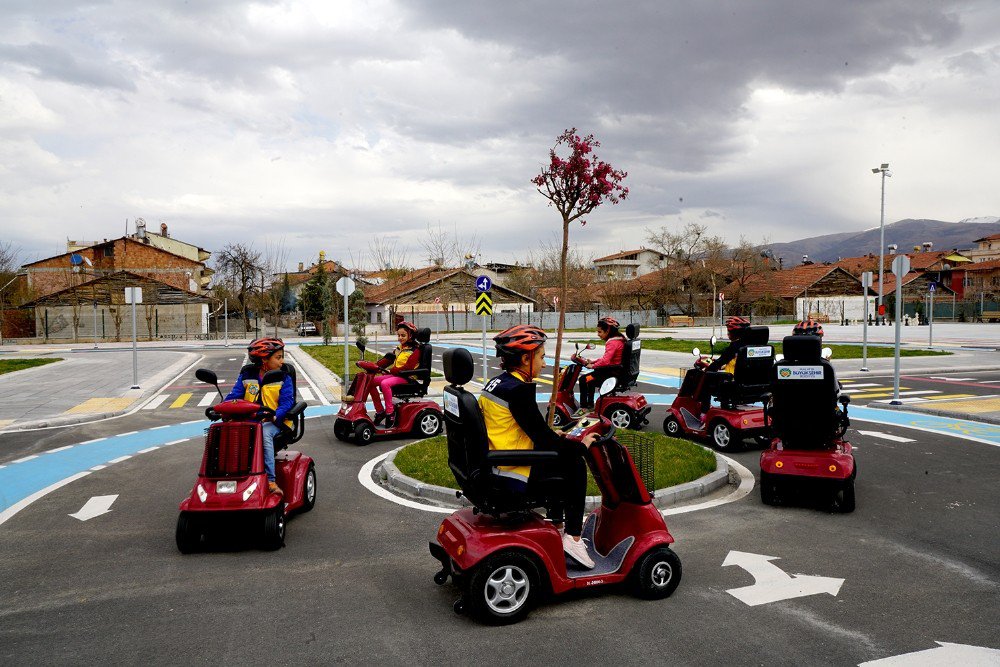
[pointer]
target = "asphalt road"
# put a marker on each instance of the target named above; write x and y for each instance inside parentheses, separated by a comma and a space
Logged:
(919, 560)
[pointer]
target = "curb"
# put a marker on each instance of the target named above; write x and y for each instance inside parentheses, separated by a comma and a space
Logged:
(387, 474)
(910, 407)
(159, 381)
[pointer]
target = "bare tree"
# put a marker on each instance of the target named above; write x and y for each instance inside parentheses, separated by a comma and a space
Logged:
(444, 249)
(388, 257)
(240, 265)
(275, 266)
(692, 264)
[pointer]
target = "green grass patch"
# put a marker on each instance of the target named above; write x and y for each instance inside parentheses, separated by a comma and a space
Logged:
(332, 356)
(839, 351)
(675, 462)
(11, 365)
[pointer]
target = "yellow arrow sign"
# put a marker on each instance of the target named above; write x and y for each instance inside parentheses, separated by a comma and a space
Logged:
(484, 304)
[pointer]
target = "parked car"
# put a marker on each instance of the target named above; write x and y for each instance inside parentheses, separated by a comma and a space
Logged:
(307, 329)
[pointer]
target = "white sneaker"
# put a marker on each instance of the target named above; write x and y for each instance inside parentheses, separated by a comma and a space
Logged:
(577, 550)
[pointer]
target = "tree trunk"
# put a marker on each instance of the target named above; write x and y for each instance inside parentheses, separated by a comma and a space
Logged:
(562, 321)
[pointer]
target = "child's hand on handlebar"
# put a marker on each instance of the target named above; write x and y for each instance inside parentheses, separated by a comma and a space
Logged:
(590, 439)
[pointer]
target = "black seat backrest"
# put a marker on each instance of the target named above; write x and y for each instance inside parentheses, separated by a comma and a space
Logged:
(804, 409)
(287, 435)
(466, 431)
(630, 358)
(755, 361)
(418, 385)
(252, 370)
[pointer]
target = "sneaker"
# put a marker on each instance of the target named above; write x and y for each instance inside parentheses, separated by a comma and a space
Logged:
(379, 416)
(274, 488)
(390, 420)
(581, 413)
(577, 550)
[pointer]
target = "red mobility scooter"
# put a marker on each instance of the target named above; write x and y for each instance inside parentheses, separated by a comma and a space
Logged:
(415, 414)
(231, 490)
(736, 418)
(625, 409)
(809, 452)
(503, 554)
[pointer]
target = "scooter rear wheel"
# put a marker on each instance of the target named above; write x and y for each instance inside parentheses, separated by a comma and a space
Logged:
(309, 490)
(428, 424)
(188, 534)
(503, 588)
(672, 427)
(723, 436)
(621, 416)
(363, 434)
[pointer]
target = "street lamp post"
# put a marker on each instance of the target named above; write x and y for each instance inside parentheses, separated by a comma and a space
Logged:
(884, 170)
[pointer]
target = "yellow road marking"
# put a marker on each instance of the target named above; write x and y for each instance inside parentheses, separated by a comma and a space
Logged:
(181, 400)
(947, 396)
(97, 405)
(971, 405)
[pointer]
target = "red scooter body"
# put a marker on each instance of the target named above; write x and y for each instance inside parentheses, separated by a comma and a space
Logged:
(830, 470)
(419, 417)
(726, 428)
(232, 482)
(625, 409)
(627, 531)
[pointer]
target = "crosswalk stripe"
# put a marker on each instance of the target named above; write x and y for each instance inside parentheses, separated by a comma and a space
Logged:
(937, 398)
(156, 402)
(888, 392)
(855, 385)
(306, 394)
(181, 400)
(207, 399)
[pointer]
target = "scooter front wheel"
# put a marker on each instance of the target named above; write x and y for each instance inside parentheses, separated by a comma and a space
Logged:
(724, 436)
(621, 416)
(671, 426)
(364, 433)
(657, 574)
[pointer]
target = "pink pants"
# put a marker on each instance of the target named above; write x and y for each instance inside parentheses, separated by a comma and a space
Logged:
(385, 383)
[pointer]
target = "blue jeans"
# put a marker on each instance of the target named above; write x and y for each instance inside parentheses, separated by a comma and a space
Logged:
(269, 430)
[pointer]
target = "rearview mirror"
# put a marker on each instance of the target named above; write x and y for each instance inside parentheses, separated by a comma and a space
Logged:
(713, 340)
(607, 386)
(206, 376)
(360, 346)
(826, 353)
(696, 352)
(779, 357)
(590, 346)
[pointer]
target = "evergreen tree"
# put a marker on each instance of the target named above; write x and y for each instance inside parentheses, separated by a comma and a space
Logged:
(313, 294)
(357, 315)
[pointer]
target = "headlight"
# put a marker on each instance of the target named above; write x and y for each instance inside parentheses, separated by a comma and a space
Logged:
(225, 487)
(249, 491)
(201, 493)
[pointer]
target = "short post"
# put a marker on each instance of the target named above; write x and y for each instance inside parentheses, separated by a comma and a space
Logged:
(225, 305)
(900, 267)
(133, 295)
(866, 283)
(95, 324)
(930, 320)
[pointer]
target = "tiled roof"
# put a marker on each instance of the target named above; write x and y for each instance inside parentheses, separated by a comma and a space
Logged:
(991, 237)
(626, 253)
(991, 265)
(411, 281)
(786, 284)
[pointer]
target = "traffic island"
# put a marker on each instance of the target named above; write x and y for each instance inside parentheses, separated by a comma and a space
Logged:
(419, 471)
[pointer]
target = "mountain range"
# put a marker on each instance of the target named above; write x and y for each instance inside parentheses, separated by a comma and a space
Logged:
(904, 233)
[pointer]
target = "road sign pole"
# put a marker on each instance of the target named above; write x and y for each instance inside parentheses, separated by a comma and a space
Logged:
(900, 267)
(95, 324)
(866, 283)
(930, 321)
(484, 349)
(135, 345)
(346, 361)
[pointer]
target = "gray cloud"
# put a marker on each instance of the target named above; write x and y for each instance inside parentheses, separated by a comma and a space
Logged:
(49, 62)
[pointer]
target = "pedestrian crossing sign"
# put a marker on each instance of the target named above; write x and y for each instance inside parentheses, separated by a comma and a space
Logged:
(484, 304)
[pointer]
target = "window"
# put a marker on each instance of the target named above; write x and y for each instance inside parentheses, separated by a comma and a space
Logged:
(109, 251)
(378, 315)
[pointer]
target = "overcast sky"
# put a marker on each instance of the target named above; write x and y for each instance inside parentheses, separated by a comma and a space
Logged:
(324, 123)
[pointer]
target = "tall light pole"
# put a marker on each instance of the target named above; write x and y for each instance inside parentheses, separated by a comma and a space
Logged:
(884, 170)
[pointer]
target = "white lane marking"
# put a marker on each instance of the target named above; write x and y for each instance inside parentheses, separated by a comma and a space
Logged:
(917, 415)
(157, 428)
(945, 653)
(24, 502)
(772, 584)
(319, 394)
(853, 385)
(950, 379)
(156, 402)
(306, 394)
(745, 487)
(233, 359)
(119, 435)
(147, 450)
(26, 458)
(60, 449)
(988, 381)
(207, 399)
(365, 477)
(99, 467)
(174, 442)
(885, 436)
(193, 421)
(120, 459)
(87, 442)
(94, 507)
(912, 399)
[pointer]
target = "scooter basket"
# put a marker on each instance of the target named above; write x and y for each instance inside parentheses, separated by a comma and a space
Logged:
(640, 448)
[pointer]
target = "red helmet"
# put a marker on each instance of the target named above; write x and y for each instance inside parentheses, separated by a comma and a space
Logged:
(737, 324)
(610, 322)
(519, 338)
(410, 327)
(808, 328)
(262, 348)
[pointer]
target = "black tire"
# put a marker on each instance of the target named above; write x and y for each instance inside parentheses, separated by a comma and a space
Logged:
(768, 488)
(657, 574)
(309, 490)
(428, 424)
(621, 416)
(340, 430)
(188, 534)
(672, 427)
(558, 420)
(843, 496)
(363, 434)
(273, 534)
(722, 436)
(502, 589)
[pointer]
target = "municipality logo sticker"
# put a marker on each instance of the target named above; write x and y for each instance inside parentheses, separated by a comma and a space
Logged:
(758, 352)
(800, 372)
(785, 372)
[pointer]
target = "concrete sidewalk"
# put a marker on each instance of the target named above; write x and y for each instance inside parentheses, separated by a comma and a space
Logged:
(85, 386)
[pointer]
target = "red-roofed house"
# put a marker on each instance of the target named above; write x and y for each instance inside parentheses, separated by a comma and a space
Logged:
(627, 264)
(987, 249)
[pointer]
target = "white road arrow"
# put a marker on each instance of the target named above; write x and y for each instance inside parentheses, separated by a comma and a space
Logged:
(772, 584)
(886, 436)
(944, 654)
(96, 506)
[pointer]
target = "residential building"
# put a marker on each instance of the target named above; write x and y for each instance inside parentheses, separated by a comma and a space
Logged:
(628, 264)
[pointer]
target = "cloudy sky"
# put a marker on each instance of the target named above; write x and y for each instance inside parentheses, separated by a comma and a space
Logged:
(321, 124)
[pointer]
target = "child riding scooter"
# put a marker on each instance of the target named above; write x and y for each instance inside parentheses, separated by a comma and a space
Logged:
(625, 409)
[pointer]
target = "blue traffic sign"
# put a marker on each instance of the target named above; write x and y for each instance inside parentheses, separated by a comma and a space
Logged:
(483, 284)
(931, 287)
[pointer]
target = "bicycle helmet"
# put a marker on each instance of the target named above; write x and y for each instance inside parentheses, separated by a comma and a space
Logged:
(262, 348)
(737, 324)
(519, 339)
(409, 327)
(808, 328)
(610, 323)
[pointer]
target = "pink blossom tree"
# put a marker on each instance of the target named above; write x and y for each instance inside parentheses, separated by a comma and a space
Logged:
(575, 185)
